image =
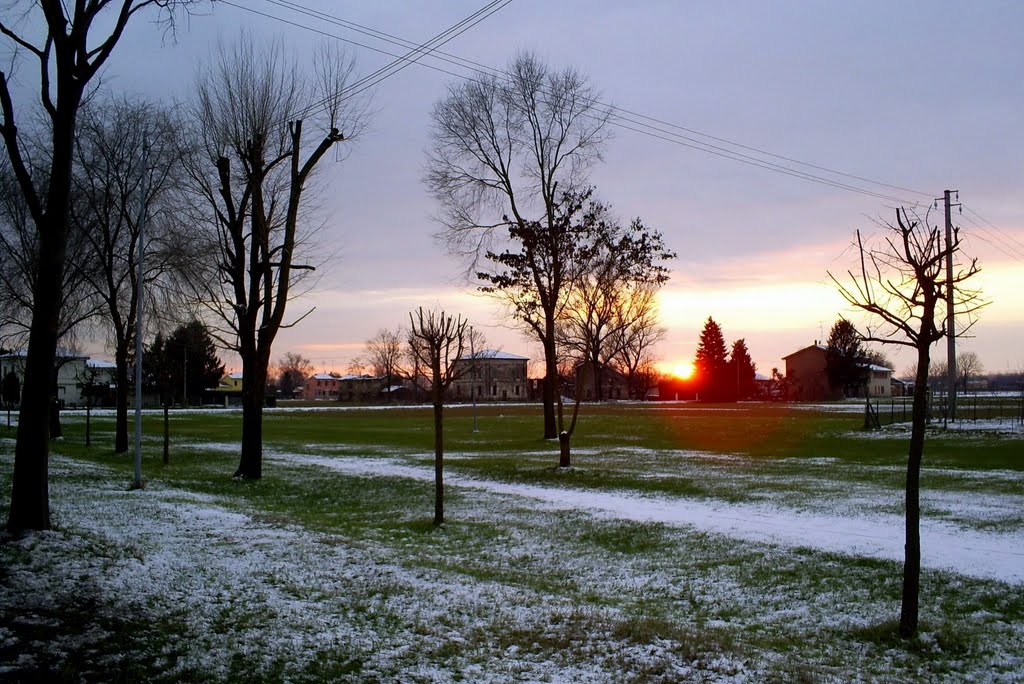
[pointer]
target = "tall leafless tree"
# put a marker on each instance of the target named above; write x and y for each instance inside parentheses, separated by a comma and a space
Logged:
(385, 352)
(623, 271)
(292, 371)
(505, 149)
(59, 39)
(636, 341)
(19, 268)
(252, 111)
(901, 284)
(438, 340)
(111, 163)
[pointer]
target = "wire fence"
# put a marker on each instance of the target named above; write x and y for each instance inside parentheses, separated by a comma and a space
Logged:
(1001, 408)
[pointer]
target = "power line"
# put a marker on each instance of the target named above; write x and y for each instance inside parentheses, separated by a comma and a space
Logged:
(621, 117)
(659, 126)
(1015, 241)
(400, 62)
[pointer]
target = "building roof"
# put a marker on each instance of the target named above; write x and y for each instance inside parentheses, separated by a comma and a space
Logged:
(100, 364)
(816, 345)
(326, 376)
(495, 354)
(876, 367)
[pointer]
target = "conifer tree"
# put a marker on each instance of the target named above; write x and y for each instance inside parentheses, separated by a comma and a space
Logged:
(743, 369)
(711, 362)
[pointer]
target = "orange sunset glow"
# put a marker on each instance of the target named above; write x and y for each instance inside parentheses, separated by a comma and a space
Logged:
(680, 369)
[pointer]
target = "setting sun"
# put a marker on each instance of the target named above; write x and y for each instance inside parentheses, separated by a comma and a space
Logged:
(683, 370)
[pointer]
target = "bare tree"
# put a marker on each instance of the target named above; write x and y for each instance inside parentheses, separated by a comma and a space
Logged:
(901, 283)
(623, 270)
(438, 340)
(385, 352)
(250, 112)
(119, 143)
(68, 56)
(968, 366)
(505, 150)
(19, 268)
(292, 371)
(635, 347)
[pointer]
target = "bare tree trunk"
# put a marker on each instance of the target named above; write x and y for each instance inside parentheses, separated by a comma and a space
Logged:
(912, 549)
(167, 437)
(564, 460)
(550, 388)
(30, 488)
(121, 400)
(254, 374)
(438, 449)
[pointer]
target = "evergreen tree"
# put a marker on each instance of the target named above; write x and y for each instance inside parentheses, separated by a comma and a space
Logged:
(711, 363)
(184, 362)
(845, 358)
(743, 369)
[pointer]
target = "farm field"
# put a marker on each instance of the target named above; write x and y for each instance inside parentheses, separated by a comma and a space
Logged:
(733, 543)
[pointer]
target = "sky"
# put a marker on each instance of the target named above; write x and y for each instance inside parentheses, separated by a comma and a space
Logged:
(923, 96)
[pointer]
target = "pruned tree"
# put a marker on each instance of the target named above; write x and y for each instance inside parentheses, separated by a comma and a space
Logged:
(438, 340)
(506, 150)
(67, 57)
(252, 113)
(845, 358)
(621, 271)
(900, 284)
(385, 352)
(711, 363)
(125, 148)
(292, 371)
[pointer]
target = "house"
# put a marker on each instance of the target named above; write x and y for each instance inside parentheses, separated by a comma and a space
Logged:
(99, 383)
(229, 390)
(879, 383)
(322, 387)
(604, 385)
(806, 375)
(70, 369)
(367, 388)
(489, 375)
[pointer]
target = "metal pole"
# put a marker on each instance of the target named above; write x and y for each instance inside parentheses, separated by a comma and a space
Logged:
(137, 484)
(472, 385)
(950, 322)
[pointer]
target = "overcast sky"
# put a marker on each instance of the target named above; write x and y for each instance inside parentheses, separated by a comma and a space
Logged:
(925, 96)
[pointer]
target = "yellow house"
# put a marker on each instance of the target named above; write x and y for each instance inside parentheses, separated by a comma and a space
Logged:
(232, 382)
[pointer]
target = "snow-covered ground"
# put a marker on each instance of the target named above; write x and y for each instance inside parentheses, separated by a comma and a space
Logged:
(993, 554)
(240, 594)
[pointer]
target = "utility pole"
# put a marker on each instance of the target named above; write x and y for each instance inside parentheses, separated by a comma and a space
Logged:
(950, 321)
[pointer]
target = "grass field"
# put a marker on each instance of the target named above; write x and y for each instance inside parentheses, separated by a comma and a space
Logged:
(688, 543)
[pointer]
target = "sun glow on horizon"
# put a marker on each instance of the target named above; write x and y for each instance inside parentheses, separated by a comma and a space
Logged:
(680, 369)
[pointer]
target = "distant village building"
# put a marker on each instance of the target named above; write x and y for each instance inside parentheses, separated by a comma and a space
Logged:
(879, 382)
(322, 387)
(807, 377)
(71, 374)
(490, 375)
(613, 384)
